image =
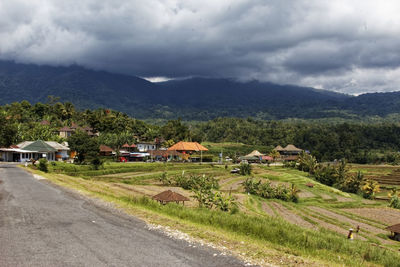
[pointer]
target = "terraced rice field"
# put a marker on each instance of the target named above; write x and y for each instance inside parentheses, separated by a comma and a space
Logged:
(320, 207)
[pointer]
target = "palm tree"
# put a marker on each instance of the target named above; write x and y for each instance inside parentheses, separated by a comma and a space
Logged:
(274, 155)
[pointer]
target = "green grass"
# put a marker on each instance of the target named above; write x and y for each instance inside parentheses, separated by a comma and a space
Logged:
(254, 224)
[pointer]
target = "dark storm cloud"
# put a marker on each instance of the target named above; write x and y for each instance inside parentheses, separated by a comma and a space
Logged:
(348, 46)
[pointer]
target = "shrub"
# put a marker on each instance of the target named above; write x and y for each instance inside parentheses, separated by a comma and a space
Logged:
(245, 168)
(394, 199)
(394, 202)
(325, 174)
(224, 202)
(250, 186)
(43, 165)
(96, 162)
(370, 188)
(307, 163)
(266, 190)
(289, 164)
(164, 179)
(352, 183)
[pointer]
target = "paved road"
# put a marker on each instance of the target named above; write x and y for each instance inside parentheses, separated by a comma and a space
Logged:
(43, 225)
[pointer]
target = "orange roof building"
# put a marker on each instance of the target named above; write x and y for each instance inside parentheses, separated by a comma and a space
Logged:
(187, 147)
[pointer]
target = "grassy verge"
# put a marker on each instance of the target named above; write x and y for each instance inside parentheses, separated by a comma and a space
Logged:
(268, 236)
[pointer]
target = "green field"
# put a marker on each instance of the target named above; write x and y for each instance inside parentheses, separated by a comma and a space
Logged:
(311, 232)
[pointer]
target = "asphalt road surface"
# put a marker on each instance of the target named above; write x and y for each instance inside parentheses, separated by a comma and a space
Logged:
(44, 225)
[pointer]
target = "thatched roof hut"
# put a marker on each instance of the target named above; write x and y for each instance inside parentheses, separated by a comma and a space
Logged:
(292, 148)
(395, 230)
(255, 153)
(170, 196)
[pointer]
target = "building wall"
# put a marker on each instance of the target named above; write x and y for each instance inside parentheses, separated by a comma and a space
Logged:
(146, 147)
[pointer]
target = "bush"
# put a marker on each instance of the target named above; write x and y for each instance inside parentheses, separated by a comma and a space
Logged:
(267, 190)
(43, 165)
(325, 175)
(245, 169)
(96, 163)
(369, 189)
(394, 202)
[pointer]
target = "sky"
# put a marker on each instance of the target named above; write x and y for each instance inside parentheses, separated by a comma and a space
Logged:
(345, 46)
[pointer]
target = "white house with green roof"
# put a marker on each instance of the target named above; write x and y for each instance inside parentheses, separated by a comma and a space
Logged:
(28, 150)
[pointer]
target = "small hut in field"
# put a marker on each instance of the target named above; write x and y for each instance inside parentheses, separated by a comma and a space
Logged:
(170, 196)
(395, 231)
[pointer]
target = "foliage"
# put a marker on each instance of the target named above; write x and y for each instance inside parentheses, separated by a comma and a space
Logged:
(352, 183)
(325, 174)
(96, 162)
(245, 168)
(336, 174)
(43, 165)
(84, 145)
(341, 172)
(372, 142)
(274, 154)
(8, 131)
(267, 190)
(394, 196)
(116, 140)
(394, 202)
(307, 163)
(175, 130)
(164, 179)
(203, 188)
(225, 202)
(369, 188)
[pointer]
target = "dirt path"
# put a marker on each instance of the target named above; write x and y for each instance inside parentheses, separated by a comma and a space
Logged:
(326, 197)
(267, 209)
(343, 199)
(305, 194)
(335, 228)
(232, 184)
(387, 216)
(290, 216)
(345, 219)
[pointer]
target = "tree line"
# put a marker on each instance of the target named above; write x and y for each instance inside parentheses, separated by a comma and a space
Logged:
(374, 142)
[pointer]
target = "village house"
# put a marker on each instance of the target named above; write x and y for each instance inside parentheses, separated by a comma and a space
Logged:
(67, 131)
(146, 146)
(62, 150)
(106, 150)
(289, 153)
(165, 155)
(28, 150)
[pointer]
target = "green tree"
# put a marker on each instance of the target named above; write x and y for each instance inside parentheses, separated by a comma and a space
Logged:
(84, 146)
(175, 130)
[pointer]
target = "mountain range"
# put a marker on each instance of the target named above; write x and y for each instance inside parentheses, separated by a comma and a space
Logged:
(190, 99)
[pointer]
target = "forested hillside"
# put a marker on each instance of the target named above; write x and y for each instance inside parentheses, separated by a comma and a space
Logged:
(198, 99)
(357, 142)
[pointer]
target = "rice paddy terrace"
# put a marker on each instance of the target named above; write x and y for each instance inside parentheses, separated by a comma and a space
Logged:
(387, 176)
(320, 207)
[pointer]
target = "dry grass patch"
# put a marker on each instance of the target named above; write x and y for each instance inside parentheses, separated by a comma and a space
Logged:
(387, 216)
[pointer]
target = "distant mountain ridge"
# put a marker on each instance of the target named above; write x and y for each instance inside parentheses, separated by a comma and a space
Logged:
(190, 99)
